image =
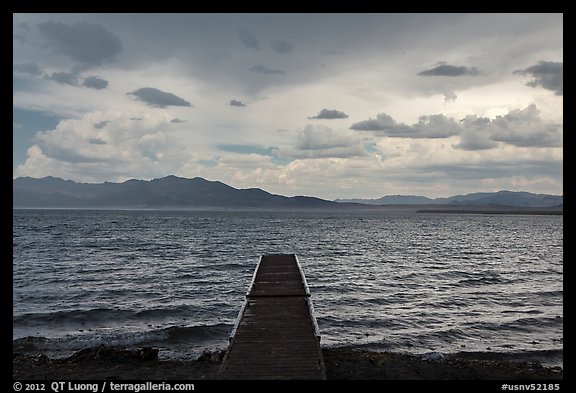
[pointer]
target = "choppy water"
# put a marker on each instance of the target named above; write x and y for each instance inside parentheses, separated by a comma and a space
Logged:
(404, 282)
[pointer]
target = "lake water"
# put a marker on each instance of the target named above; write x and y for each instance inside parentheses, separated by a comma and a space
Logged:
(401, 282)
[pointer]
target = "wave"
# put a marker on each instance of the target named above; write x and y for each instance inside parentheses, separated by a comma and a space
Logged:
(191, 335)
(103, 283)
(103, 316)
(487, 280)
(528, 325)
(72, 317)
(553, 294)
(545, 357)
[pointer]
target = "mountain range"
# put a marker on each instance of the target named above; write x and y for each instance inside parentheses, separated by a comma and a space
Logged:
(166, 192)
(500, 198)
(178, 192)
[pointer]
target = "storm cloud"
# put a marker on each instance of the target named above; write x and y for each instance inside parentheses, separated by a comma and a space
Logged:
(261, 69)
(159, 98)
(93, 82)
(449, 70)
(27, 68)
(64, 78)
(236, 103)
(88, 43)
(547, 74)
(248, 40)
(330, 114)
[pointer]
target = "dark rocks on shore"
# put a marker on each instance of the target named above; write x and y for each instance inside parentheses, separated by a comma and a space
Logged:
(115, 354)
(344, 363)
(105, 363)
(214, 357)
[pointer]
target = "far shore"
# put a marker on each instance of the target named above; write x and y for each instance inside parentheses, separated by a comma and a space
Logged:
(342, 208)
(451, 210)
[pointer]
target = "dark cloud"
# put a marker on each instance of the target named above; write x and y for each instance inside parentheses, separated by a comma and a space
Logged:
(94, 82)
(282, 47)
(449, 70)
(27, 68)
(259, 68)
(236, 103)
(64, 78)
(382, 122)
(476, 134)
(435, 126)
(330, 114)
(88, 43)
(547, 74)
(68, 78)
(525, 128)
(247, 39)
(159, 98)
(429, 126)
(101, 124)
(177, 121)
(520, 127)
(21, 32)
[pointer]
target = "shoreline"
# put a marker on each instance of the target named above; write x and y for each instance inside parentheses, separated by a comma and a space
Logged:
(109, 363)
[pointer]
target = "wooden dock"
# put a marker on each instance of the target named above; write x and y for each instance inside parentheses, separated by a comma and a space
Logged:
(275, 335)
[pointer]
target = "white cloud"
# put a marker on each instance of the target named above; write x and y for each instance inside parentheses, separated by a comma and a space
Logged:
(519, 127)
(123, 148)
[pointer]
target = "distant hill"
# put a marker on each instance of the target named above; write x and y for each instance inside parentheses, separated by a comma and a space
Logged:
(179, 192)
(167, 192)
(500, 198)
(391, 200)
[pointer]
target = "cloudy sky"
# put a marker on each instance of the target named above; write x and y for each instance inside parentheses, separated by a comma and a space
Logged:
(329, 105)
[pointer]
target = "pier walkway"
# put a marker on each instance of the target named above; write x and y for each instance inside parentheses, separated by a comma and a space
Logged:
(275, 335)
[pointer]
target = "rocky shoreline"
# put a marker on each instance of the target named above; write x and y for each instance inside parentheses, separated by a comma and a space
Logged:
(109, 363)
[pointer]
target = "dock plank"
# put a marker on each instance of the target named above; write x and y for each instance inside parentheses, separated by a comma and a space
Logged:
(276, 335)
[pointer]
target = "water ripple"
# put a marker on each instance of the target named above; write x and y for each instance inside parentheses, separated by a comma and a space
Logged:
(403, 282)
